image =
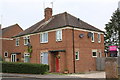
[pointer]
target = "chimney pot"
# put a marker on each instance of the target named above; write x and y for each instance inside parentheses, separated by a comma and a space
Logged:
(48, 13)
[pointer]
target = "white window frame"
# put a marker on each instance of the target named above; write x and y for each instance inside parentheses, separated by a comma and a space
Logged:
(77, 54)
(42, 55)
(94, 50)
(17, 43)
(28, 55)
(59, 35)
(93, 37)
(99, 38)
(12, 57)
(26, 38)
(4, 54)
(44, 37)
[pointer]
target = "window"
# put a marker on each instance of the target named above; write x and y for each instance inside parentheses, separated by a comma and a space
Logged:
(26, 57)
(44, 58)
(94, 53)
(92, 37)
(99, 38)
(5, 54)
(17, 41)
(59, 35)
(77, 55)
(26, 40)
(13, 57)
(44, 37)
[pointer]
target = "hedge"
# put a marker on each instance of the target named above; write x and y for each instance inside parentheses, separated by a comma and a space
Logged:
(27, 68)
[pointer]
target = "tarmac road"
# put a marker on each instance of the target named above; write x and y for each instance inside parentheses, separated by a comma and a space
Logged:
(51, 79)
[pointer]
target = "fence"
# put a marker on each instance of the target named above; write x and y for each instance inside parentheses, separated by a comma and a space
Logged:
(100, 64)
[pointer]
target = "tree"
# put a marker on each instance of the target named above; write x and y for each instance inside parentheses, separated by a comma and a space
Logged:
(113, 30)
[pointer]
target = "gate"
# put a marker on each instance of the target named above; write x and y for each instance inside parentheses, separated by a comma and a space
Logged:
(100, 64)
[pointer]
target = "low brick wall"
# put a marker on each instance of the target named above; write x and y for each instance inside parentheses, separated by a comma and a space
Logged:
(111, 68)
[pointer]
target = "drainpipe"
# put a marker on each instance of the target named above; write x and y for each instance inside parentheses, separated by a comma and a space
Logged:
(73, 50)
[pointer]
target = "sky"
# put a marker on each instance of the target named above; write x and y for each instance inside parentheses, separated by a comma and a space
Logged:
(28, 12)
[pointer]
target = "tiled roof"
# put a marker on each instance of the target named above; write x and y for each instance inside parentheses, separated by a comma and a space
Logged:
(58, 21)
(8, 28)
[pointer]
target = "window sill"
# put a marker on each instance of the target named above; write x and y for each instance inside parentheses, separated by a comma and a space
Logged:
(43, 42)
(94, 56)
(99, 41)
(6, 56)
(77, 59)
(58, 40)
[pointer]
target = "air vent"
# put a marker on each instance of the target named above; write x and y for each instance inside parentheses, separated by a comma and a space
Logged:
(81, 35)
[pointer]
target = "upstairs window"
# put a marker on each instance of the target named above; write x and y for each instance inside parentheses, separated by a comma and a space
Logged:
(17, 41)
(26, 40)
(92, 38)
(44, 37)
(77, 55)
(59, 35)
(99, 38)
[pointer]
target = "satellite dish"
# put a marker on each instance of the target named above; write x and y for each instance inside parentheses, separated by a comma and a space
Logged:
(81, 35)
(90, 34)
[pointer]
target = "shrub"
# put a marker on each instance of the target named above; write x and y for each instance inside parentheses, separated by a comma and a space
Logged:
(9, 67)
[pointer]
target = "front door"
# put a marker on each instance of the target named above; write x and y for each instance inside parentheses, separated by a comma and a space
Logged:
(13, 57)
(57, 64)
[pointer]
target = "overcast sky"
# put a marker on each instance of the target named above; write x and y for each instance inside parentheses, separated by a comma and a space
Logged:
(28, 12)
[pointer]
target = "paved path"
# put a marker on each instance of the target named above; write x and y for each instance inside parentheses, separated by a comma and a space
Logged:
(87, 75)
(90, 75)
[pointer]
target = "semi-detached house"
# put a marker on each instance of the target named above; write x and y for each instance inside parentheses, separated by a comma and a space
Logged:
(7, 42)
(62, 41)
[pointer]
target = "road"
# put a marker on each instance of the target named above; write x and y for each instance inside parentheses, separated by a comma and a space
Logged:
(50, 79)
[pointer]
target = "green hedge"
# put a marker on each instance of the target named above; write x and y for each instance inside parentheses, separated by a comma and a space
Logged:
(9, 67)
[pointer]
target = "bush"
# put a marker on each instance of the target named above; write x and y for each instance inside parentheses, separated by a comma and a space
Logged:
(9, 67)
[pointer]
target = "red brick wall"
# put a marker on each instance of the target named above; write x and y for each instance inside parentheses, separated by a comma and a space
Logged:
(83, 45)
(9, 45)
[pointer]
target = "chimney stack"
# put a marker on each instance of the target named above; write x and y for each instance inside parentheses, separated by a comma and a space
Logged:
(48, 13)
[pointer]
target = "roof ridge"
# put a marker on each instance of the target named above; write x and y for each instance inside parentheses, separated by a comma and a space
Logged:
(43, 24)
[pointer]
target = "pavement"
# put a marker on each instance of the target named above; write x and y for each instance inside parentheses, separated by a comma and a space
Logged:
(93, 75)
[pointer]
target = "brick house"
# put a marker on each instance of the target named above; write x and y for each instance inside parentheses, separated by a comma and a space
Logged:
(62, 41)
(8, 43)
